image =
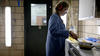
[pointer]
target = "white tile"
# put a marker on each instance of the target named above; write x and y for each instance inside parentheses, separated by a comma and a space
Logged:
(98, 22)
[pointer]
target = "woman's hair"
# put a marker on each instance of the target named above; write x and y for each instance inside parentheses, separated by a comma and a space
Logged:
(61, 5)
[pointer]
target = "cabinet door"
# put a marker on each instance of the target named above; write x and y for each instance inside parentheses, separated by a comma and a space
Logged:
(86, 9)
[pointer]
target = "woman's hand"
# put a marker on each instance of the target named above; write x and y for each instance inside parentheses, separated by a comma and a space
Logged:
(73, 35)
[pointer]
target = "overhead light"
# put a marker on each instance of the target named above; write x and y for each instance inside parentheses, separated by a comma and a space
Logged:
(8, 26)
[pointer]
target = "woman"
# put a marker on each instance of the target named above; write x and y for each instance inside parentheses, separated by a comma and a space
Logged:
(57, 32)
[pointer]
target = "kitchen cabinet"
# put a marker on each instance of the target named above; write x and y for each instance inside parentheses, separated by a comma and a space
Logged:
(86, 9)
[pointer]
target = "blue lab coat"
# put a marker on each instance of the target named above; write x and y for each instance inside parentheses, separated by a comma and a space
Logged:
(55, 43)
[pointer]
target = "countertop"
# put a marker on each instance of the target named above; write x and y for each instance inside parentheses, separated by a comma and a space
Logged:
(92, 52)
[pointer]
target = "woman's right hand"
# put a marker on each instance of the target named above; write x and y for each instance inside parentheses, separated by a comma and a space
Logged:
(73, 35)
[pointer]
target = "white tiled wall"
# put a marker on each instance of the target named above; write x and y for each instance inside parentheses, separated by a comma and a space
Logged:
(89, 28)
(17, 48)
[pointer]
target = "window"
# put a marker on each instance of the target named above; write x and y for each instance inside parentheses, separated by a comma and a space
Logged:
(38, 14)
